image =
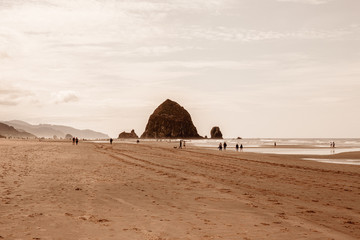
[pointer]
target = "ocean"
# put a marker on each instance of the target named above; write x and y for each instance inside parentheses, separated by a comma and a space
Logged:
(298, 146)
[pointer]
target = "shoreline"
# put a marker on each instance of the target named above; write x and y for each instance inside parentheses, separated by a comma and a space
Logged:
(307, 151)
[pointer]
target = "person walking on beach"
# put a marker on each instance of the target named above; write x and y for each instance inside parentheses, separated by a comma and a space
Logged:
(180, 144)
(220, 147)
(333, 144)
(274, 144)
(111, 140)
(237, 147)
(77, 141)
(184, 144)
(241, 148)
(225, 145)
(73, 141)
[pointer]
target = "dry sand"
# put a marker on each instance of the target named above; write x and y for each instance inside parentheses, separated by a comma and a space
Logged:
(54, 190)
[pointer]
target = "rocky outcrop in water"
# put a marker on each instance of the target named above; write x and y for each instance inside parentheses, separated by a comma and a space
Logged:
(131, 134)
(216, 133)
(170, 120)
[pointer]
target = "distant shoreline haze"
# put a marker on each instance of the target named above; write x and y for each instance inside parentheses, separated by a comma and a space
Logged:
(60, 131)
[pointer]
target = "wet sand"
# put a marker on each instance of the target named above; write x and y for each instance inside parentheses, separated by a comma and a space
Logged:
(54, 190)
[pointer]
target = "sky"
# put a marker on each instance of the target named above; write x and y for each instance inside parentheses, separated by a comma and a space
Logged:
(255, 68)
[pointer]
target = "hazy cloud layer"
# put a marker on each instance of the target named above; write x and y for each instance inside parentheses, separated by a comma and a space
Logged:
(307, 1)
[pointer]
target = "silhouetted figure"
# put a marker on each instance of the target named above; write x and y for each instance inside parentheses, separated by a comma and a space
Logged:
(241, 147)
(237, 147)
(73, 141)
(180, 144)
(274, 144)
(184, 144)
(333, 144)
(137, 141)
(225, 145)
(77, 141)
(111, 140)
(220, 147)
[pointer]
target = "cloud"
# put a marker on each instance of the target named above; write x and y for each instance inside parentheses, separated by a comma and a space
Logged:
(12, 96)
(4, 55)
(155, 51)
(65, 97)
(314, 2)
(8, 102)
(250, 35)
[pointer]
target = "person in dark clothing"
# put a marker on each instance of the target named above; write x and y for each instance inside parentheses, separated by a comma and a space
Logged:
(111, 140)
(225, 145)
(180, 144)
(77, 141)
(220, 146)
(73, 141)
(241, 147)
(237, 147)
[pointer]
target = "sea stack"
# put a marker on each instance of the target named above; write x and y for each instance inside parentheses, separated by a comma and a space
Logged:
(216, 133)
(170, 120)
(131, 134)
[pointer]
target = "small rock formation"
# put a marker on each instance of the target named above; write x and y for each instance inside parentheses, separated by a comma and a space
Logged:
(239, 137)
(68, 136)
(132, 134)
(170, 120)
(216, 133)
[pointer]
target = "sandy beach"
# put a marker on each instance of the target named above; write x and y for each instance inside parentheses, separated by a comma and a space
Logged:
(55, 190)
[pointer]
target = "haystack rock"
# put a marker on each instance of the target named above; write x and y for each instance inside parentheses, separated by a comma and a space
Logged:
(170, 120)
(131, 134)
(216, 133)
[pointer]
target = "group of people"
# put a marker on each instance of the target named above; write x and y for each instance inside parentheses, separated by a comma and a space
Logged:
(224, 145)
(75, 141)
(332, 144)
(182, 144)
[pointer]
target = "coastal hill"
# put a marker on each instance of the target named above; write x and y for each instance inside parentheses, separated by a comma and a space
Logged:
(170, 120)
(49, 131)
(9, 131)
